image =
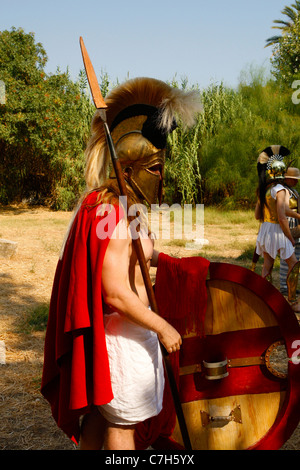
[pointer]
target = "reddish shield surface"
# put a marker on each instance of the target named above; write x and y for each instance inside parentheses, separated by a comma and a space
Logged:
(232, 396)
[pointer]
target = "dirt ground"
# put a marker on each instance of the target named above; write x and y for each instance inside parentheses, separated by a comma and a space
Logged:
(25, 283)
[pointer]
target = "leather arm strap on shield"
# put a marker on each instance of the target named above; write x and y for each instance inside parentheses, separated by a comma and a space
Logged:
(101, 106)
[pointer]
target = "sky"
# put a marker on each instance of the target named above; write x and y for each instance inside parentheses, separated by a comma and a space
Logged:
(204, 41)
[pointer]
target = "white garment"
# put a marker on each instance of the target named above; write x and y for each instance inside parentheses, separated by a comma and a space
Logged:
(137, 373)
(271, 238)
(275, 189)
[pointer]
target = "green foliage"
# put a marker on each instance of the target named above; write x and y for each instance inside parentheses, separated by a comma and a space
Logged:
(264, 117)
(207, 164)
(285, 59)
(182, 172)
(35, 319)
(215, 162)
(286, 55)
(185, 164)
(44, 125)
(292, 15)
(220, 169)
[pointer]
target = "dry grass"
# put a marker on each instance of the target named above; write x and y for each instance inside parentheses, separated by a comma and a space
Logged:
(26, 282)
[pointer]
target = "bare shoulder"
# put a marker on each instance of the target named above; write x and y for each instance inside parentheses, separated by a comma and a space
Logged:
(120, 240)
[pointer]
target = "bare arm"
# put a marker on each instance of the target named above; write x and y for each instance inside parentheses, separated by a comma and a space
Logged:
(119, 296)
(257, 211)
(290, 213)
(154, 259)
(281, 211)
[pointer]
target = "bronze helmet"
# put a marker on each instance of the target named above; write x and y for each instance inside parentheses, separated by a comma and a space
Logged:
(141, 113)
(140, 146)
(272, 161)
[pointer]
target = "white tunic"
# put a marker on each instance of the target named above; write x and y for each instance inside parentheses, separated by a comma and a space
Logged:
(137, 373)
(271, 238)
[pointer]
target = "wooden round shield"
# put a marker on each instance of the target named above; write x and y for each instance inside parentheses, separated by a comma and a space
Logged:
(233, 395)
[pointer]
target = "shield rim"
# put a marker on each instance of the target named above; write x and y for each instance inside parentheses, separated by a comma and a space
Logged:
(289, 415)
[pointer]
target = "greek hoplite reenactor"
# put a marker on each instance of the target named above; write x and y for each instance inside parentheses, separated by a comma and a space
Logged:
(272, 209)
(102, 354)
(291, 179)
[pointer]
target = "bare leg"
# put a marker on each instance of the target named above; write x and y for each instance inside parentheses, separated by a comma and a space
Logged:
(291, 262)
(96, 433)
(92, 431)
(119, 437)
(267, 266)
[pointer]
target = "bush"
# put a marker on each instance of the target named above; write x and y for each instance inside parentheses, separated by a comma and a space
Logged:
(44, 124)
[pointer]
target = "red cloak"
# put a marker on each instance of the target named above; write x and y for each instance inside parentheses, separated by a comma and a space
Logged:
(76, 368)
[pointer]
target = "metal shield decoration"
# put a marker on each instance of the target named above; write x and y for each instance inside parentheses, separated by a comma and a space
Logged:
(232, 395)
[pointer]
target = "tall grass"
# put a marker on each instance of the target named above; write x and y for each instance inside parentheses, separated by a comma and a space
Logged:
(186, 166)
(215, 163)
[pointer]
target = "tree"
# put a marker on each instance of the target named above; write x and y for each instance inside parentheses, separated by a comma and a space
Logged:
(292, 13)
(286, 56)
(44, 125)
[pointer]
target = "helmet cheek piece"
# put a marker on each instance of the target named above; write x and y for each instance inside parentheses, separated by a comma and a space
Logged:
(138, 156)
(146, 184)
